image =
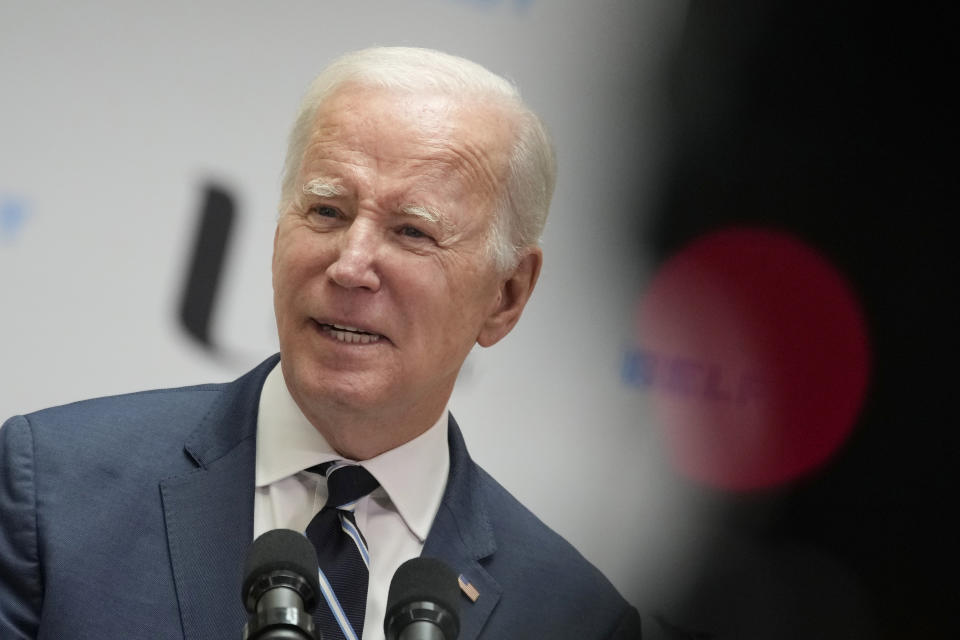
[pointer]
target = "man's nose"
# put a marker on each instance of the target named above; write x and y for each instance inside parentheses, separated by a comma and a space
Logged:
(355, 264)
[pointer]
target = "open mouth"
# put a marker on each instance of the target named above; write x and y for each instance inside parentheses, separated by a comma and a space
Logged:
(350, 335)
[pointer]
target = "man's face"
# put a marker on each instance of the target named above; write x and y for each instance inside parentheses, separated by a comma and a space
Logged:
(381, 279)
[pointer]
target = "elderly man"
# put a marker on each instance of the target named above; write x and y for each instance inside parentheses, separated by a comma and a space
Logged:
(416, 187)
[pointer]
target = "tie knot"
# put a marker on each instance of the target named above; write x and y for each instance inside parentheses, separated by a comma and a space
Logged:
(346, 483)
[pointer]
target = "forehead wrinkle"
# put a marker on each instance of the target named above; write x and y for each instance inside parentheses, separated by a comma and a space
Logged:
(464, 152)
(475, 150)
(479, 163)
(471, 171)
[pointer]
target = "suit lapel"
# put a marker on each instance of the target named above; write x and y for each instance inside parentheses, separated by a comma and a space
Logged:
(209, 512)
(462, 536)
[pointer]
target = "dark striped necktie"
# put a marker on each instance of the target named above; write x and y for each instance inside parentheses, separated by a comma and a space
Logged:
(341, 551)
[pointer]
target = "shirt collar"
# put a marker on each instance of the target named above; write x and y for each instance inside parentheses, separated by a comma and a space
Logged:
(414, 475)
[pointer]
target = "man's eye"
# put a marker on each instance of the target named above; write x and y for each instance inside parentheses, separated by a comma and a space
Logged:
(324, 211)
(412, 232)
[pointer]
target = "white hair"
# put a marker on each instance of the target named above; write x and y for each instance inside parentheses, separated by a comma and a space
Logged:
(521, 213)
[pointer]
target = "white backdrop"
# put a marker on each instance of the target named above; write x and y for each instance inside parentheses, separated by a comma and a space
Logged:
(114, 115)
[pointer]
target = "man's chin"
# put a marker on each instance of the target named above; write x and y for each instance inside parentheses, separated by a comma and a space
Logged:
(338, 391)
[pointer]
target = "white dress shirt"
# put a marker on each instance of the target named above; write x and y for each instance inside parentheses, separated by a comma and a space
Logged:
(394, 519)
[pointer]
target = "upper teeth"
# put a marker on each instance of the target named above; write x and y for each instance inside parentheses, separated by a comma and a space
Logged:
(337, 326)
(352, 334)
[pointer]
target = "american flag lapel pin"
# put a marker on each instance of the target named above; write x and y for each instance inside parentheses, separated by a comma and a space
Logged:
(468, 589)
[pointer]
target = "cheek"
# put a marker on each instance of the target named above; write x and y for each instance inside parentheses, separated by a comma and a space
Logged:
(281, 276)
(467, 304)
(289, 284)
(294, 263)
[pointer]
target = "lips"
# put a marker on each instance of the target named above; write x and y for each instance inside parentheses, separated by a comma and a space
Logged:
(348, 334)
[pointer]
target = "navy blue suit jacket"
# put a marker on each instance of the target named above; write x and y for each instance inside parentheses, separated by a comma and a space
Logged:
(130, 517)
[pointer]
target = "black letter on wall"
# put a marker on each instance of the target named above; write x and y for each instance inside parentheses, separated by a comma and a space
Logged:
(206, 263)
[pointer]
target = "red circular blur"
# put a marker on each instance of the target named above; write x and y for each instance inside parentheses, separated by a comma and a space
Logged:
(755, 356)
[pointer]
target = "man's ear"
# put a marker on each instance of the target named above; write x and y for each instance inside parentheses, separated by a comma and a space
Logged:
(515, 290)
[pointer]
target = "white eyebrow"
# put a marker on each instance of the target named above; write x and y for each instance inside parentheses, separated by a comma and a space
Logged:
(420, 211)
(323, 188)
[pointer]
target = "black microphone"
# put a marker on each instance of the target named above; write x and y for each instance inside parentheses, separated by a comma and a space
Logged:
(280, 587)
(423, 602)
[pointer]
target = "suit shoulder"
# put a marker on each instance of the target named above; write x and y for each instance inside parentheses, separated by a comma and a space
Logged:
(538, 570)
(524, 540)
(173, 406)
(170, 402)
(513, 518)
(143, 424)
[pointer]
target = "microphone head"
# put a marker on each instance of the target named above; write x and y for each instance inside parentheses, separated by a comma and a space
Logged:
(281, 551)
(419, 581)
